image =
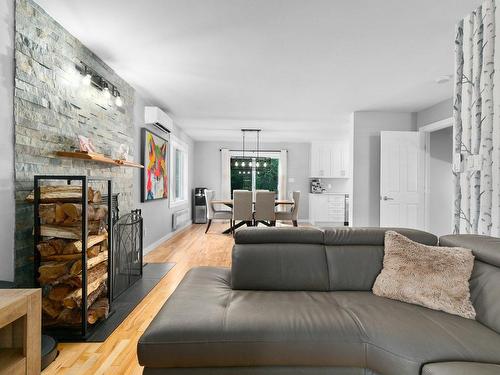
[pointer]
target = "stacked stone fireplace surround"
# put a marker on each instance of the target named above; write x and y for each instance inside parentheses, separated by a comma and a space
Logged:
(52, 107)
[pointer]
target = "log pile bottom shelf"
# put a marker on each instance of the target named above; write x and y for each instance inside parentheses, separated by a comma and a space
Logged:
(60, 253)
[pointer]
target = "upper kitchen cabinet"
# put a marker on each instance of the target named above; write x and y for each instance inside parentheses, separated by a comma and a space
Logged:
(330, 159)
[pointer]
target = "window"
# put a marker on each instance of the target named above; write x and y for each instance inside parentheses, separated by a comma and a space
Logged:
(252, 173)
(179, 172)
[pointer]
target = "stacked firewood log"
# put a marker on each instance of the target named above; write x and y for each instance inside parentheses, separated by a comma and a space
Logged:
(60, 271)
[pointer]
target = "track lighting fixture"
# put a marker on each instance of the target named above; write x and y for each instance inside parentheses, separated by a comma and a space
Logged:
(90, 77)
(106, 92)
(87, 79)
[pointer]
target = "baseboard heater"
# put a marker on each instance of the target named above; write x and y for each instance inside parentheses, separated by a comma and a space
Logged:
(180, 218)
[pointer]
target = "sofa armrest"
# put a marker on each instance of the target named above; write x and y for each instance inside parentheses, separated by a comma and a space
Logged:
(460, 368)
(283, 259)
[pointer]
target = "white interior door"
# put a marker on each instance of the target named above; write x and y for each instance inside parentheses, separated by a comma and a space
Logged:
(401, 180)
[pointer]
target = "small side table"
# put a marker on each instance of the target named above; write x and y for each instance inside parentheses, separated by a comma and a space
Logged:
(20, 331)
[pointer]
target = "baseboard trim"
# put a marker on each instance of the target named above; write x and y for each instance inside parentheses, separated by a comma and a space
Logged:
(168, 236)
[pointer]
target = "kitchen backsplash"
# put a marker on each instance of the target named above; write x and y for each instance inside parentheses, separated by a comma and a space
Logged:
(335, 185)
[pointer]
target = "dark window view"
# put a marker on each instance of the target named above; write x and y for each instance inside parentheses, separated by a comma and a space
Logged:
(266, 178)
(254, 174)
(241, 174)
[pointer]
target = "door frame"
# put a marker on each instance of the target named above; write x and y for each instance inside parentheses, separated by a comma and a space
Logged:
(425, 132)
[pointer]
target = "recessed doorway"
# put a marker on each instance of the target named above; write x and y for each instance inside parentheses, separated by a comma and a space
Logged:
(439, 177)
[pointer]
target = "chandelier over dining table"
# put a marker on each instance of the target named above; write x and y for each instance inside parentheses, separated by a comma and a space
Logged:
(252, 160)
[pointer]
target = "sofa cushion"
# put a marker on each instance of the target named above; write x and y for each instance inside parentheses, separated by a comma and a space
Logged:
(460, 368)
(279, 266)
(206, 324)
(353, 267)
(401, 337)
(297, 259)
(355, 255)
(373, 236)
(431, 276)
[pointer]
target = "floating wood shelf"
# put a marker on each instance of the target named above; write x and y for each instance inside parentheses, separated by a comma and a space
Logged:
(126, 163)
(99, 158)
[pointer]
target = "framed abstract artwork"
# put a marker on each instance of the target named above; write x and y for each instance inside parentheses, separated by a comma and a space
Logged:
(155, 173)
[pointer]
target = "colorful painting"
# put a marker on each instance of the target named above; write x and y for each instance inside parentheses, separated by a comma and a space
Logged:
(155, 172)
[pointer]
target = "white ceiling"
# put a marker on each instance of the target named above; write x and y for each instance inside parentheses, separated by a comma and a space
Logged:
(296, 68)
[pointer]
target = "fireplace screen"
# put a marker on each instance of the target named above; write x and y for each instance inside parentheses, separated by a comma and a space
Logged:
(127, 249)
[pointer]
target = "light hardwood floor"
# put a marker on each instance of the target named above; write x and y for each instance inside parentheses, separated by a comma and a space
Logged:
(118, 354)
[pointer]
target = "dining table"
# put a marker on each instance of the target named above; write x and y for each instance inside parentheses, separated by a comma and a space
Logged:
(230, 203)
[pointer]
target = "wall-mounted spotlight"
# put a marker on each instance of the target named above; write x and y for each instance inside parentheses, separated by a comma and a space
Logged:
(118, 100)
(105, 90)
(87, 77)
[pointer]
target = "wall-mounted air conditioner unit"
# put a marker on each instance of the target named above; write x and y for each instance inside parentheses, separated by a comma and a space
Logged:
(155, 116)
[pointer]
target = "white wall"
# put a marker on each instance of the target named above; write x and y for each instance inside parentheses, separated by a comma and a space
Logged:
(7, 140)
(441, 182)
(366, 160)
(157, 214)
(437, 112)
(208, 167)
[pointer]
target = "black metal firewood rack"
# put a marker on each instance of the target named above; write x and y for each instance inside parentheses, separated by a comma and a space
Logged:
(74, 333)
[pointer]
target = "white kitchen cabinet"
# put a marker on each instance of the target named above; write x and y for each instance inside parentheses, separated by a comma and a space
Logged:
(327, 208)
(330, 159)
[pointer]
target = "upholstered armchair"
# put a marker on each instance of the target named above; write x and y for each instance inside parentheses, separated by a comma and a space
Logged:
(212, 213)
(293, 214)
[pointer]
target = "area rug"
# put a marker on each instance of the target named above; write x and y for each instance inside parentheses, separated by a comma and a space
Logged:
(128, 300)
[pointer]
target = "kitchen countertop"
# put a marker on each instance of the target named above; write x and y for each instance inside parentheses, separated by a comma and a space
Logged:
(329, 193)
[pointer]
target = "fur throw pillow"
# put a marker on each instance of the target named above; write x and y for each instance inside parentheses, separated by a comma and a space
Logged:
(431, 276)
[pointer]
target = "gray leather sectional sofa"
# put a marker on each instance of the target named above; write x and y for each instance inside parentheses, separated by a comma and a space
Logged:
(299, 301)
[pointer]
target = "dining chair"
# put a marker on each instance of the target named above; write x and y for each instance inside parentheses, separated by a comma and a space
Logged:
(255, 192)
(212, 213)
(242, 207)
(264, 208)
(293, 214)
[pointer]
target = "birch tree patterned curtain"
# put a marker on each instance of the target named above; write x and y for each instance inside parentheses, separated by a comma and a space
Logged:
(476, 114)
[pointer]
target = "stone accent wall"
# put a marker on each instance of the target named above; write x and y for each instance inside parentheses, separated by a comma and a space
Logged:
(51, 107)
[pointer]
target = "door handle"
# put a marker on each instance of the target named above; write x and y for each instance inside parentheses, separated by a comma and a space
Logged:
(386, 198)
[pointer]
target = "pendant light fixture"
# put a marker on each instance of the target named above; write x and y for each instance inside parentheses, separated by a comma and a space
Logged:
(247, 164)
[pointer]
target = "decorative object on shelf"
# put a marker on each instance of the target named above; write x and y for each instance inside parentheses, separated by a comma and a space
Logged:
(155, 174)
(90, 77)
(123, 152)
(72, 253)
(86, 144)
